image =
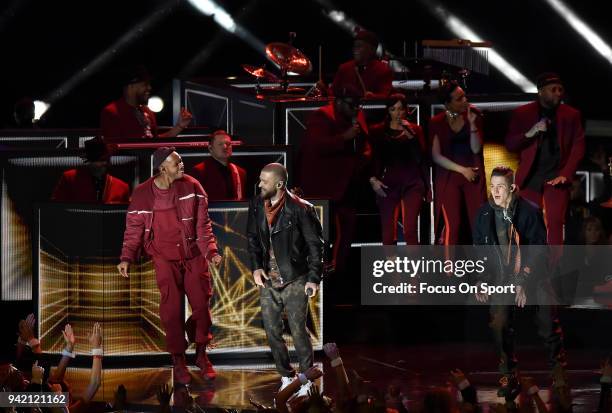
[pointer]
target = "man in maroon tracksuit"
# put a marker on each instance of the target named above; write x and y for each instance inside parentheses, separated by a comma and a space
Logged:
(168, 216)
(550, 140)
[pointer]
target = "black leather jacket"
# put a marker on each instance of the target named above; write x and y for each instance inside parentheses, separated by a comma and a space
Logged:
(527, 221)
(297, 239)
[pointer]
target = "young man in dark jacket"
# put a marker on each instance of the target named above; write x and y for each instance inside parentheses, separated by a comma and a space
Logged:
(285, 245)
(515, 227)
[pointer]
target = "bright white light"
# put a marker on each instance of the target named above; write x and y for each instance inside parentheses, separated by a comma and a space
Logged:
(463, 31)
(40, 108)
(156, 104)
(210, 8)
(581, 27)
(342, 20)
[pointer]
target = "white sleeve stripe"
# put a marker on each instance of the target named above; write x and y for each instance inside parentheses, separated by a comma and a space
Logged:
(186, 219)
(140, 212)
(187, 197)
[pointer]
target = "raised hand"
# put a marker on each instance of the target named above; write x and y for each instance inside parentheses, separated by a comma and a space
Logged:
(68, 337)
(331, 351)
(95, 337)
(164, 393)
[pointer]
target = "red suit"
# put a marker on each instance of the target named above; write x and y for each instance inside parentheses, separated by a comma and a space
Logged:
(376, 76)
(174, 228)
(571, 147)
(219, 181)
(77, 185)
(452, 188)
(332, 168)
(120, 120)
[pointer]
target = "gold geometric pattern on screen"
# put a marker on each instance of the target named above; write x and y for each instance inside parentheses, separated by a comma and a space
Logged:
(81, 291)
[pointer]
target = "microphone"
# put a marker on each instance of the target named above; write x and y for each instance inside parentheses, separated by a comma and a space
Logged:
(474, 109)
(309, 291)
(407, 127)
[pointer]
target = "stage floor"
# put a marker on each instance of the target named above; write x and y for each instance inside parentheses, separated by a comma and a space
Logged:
(413, 369)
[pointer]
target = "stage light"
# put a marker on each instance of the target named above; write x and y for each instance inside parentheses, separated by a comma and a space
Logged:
(210, 8)
(340, 18)
(156, 104)
(454, 24)
(40, 108)
(582, 28)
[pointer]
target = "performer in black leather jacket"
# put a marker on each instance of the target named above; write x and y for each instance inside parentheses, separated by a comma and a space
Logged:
(285, 245)
(515, 228)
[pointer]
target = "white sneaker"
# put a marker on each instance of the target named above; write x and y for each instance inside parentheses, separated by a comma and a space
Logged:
(285, 381)
(304, 389)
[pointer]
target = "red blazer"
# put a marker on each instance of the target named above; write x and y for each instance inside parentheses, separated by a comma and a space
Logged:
(569, 132)
(213, 182)
(118, 121)
(377, 77)
(76, 185)
(327, 161)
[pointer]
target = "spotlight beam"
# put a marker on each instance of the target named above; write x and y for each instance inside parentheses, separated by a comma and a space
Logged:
(136, 32)
(459, 28)
(582, 28)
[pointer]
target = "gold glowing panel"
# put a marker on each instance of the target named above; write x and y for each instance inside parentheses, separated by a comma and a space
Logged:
(496, 154)
(81, 289)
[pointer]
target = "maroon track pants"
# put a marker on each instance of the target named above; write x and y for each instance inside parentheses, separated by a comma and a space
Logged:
(458, 190)
(175, 279)
(554, 201)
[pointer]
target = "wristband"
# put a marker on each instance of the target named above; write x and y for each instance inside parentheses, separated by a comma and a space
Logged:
(533, 390)
(464, 384)
(606, 379)
(336, 362)
(97, 352)
(68, 353)
(303, 378)
(33, 342)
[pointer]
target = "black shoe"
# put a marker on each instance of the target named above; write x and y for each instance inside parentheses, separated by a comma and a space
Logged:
(509, 387)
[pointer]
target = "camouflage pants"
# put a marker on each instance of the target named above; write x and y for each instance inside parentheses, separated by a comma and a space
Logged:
(294, 302)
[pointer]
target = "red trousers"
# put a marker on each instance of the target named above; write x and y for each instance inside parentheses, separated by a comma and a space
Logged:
(458, 190)
(175, 279)
(405, 188)
(554, 201)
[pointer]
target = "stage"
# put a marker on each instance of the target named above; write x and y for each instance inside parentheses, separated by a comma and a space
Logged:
(413, 369)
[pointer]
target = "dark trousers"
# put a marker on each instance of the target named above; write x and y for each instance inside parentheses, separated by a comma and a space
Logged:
(175, 279)
(459, 190)
(554, 201)
(405, 189)
(549, 329)
(293, 300)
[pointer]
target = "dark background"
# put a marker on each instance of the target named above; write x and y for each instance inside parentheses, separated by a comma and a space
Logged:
(44, 44)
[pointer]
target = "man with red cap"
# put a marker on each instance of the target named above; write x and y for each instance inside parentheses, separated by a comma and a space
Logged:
(365, 72)
(92, 182)
(333, 156)
(130, 117)
(168, 216)
(549, 137)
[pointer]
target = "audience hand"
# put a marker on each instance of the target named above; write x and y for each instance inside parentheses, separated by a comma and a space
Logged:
(95, 337)
(331, 351)
(68, 337)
